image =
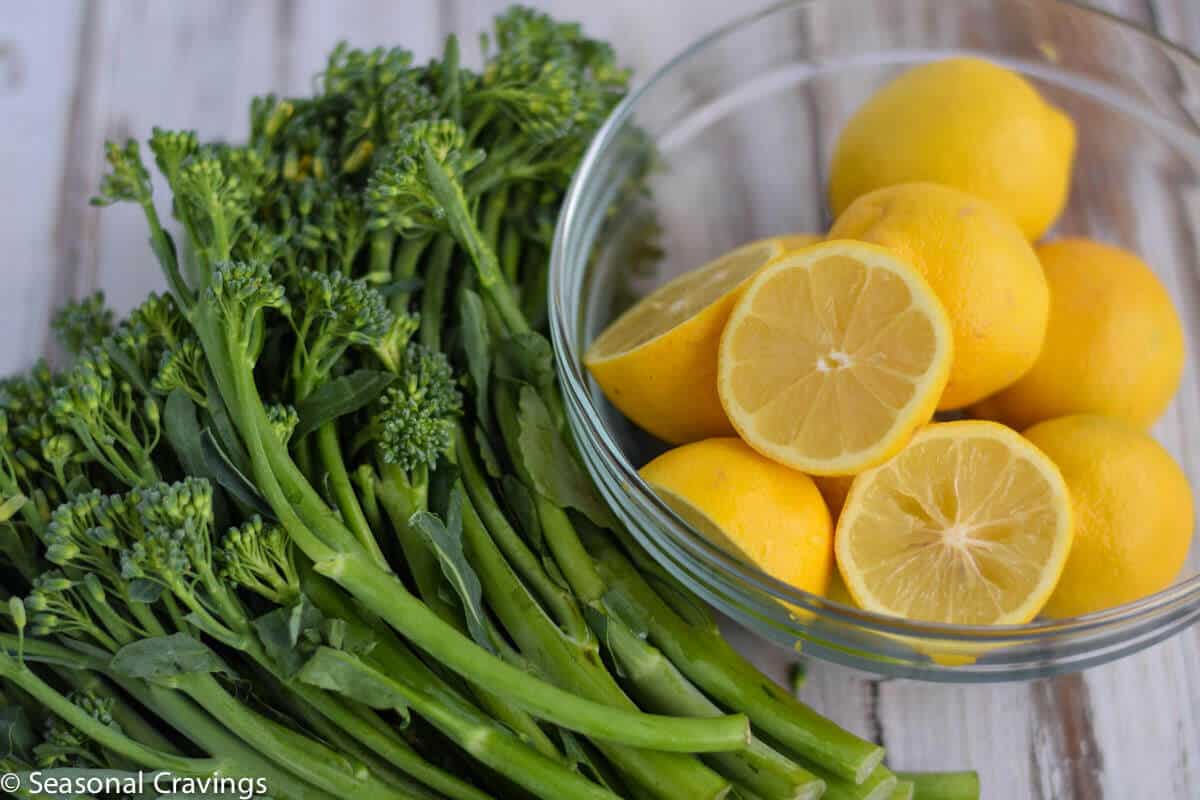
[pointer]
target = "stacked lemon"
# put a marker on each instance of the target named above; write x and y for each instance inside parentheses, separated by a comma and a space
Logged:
(801, 375)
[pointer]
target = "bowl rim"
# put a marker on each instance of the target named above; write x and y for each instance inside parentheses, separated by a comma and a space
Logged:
(569, 365)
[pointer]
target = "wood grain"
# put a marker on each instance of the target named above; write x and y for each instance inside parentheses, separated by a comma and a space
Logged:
(73, 74)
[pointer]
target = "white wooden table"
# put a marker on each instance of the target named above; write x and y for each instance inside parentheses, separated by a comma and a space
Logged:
(73, 74)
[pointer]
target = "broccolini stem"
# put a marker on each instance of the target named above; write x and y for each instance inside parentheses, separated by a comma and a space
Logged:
(558, 600)
(344, 496)
(382, 243)
(404, 268)
(131, 721)
(876, 786)
(450, 197)
(492, 745)
(104, 735)
(382, 594)
(402, 499)
(943, 785)
(337, 555)
(433, 294)
(242, 760)
(575, 664)
(657, 683)
(703, 655)
(308, 759)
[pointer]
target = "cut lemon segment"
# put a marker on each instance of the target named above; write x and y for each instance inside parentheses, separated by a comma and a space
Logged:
(797, 241)
(750, 506)
(969, 524)
(833, 356)
(657, 362)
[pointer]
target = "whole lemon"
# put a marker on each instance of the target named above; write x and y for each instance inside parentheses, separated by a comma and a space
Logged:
(1114, 344)
(980, 266)
(1133, 512)
(750, 506)
(966, 123)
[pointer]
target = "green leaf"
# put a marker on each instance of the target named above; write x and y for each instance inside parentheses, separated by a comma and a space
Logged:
(487, 454)
(446, 541)
(341, 672)
(183, 431)
(581, 759)
(146, 591)
(520, 502)
(478, 346)
(222, 424)
(16, 734)
(340, 396)
(549, 464)
(289, 634)
(165, 656)
(11, 505)
(219, 468)
(527, 357)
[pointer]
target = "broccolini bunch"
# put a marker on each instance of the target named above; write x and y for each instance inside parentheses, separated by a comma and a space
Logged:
(315, 516)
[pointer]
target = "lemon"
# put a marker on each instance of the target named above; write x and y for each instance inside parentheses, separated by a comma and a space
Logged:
(750, 506)
(1133, 512)
(969, 524)
(981, 267)
(966, 123)
(1114, 345)
(832, 357)
(657, 362)
(797, 241)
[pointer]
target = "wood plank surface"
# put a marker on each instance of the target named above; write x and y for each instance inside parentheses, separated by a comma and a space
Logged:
(75, 73)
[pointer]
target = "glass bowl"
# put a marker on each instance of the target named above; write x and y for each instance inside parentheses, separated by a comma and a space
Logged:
(736, 134)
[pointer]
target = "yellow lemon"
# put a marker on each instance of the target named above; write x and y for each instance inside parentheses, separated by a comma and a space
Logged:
(1114, 345)
(796, 241)
(832, 357)
(1133, 512)
(751, 506)
(966, 123)
(969, 524)
(983, 270)
(657, 362)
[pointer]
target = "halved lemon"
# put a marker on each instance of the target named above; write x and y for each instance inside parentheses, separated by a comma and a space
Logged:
(749, 506)
(657, 362)
(833, 356)
(969, 524)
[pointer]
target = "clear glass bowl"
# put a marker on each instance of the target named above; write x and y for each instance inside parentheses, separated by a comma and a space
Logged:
(741, 125)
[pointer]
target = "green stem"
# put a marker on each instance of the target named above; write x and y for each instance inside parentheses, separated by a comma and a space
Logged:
(310, 760)
(385, 596)
(575, 665)
(243, 760)
(490, 744)
(130, 720)
(450, 197)
(338, 481)
(658, 684)
(697, 648)
(401, 499)
(404, 268)
(336, 554)
(943, 785)
(905, 790)
(102, 734)
(879, 785)
(557, 599)
(433, 293)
